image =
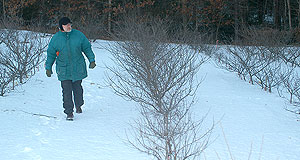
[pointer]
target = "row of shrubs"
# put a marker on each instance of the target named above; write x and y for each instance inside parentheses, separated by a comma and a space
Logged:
(264, 58)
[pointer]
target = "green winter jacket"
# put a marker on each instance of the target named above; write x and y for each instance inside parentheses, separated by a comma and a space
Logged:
(66, 48)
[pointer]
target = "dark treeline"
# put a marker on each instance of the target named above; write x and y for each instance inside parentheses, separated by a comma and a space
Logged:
(222, 19)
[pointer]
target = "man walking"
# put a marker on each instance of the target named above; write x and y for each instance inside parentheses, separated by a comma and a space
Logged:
(66, 47)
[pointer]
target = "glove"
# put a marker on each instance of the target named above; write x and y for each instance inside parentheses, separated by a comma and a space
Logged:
(48, 73)
(92, 65)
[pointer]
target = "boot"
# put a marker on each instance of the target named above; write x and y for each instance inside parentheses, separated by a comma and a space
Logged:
(70, 117)
(78, 109)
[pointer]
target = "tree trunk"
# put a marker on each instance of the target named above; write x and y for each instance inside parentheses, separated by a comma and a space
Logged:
(109, 17)
(89, 10)
(183, 13)
(289, 13)
(275, 14)
(299, 14)
(217, 30)
(285, 15)
(3, 8)
(236, 19)
(261, 12)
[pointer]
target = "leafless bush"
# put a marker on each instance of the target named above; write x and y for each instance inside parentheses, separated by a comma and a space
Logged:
(275, 41)
(200, 42)
(292, 85)
(246, 60)
(291, 55)
(294, 98)
(273, 75)
(21, 54)
(264, 57)
(12, 23)
(258, 57)
(297, 103)
(6, 78)
(230, 62)
(160, 77)
(267, 37)
(278, 59)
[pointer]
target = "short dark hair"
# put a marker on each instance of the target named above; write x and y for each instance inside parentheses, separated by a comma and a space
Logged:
(63, 21)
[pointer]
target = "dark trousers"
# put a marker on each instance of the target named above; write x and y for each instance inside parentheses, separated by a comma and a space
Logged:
(67, 88)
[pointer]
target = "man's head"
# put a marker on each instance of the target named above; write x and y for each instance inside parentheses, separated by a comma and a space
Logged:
(65, 24)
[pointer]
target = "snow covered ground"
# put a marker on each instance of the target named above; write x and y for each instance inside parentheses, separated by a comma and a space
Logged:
(33, 124)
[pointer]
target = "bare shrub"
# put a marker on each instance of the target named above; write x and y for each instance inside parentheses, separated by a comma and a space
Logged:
(294, 91)
(230, 62)
(200, 42)
(273, 75)
(264, 57)
(297, 103)
(6, 78)
(291, 55)
(21, 54)
(276, 42)
(259, 57)
(246, 60)
(159, 76)
(279, 59)
(292, 85)
(268, 37)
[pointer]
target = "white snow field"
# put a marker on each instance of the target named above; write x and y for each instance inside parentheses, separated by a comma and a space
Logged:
(33, 127)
